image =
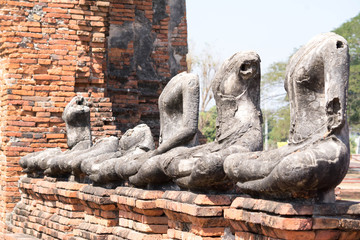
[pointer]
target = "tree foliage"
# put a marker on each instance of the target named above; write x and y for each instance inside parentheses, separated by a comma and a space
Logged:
(209, 127)
(275, 105)
(350, 30)
(275, 74)
(279, 125)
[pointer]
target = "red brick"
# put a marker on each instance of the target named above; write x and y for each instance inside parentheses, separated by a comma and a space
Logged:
(325, 222)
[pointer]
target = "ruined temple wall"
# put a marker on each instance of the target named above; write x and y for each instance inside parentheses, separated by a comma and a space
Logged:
(147, 46)
(52, 50)
(47, 51)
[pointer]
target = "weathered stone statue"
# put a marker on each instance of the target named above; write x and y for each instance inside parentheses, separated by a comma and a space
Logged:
(54, 164)
(236, 89)
(178, 105)
(84, 158)
(179, 110)
(77, 118)
(317, 156)
(104, 148)
(135, 141)
(35, 163)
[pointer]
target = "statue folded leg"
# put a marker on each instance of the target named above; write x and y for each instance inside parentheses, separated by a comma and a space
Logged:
(151, 171)
(35, 163)
(307, 168)
(135, 142)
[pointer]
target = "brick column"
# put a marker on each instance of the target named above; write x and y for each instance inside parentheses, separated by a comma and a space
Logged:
(119, 54)
(49, 52)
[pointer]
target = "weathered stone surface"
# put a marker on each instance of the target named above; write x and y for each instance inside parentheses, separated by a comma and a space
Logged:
(35, 163)
(54, 163)
(147, 46)
(103, 146)
(236, 89)
(84, 158)
(137, 139)
(317, 156)
(179, 104)
(134, 142)
(77, 118)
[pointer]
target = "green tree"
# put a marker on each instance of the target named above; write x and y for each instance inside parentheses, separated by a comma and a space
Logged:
(209, 127)
(275, 106)
(274, 75)
(279, 125)
(350, 30)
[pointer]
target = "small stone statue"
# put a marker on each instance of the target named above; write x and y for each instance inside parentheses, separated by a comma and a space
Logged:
(179, 110)
(236, 89)
(77, 118)
(178, 104)
(78, 128)
(317, 156)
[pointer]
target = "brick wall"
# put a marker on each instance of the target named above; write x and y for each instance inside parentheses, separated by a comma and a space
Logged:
(117, 53)
(147, 46)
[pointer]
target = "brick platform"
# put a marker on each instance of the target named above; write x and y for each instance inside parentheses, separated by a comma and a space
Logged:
(139, 215)
(53, 209)
(48, 209)
(349, 188)
(195, 216)
(263, 219)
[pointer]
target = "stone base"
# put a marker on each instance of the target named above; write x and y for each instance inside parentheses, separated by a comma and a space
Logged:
(195, 216)
(51, 209)
(48, 209)
(139, 216)
(264, 219)
(18, 236)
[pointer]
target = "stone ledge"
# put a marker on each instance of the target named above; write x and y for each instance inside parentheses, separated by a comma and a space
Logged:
(199, 199)
(79, 211)
(18, 236)
(266, 219)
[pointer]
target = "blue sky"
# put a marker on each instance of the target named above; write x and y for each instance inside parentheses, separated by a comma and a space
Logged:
(271, 28)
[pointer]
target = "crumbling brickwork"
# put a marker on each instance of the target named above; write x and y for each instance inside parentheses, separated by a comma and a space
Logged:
(53, 209)
(117, 53)
(147, 46)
